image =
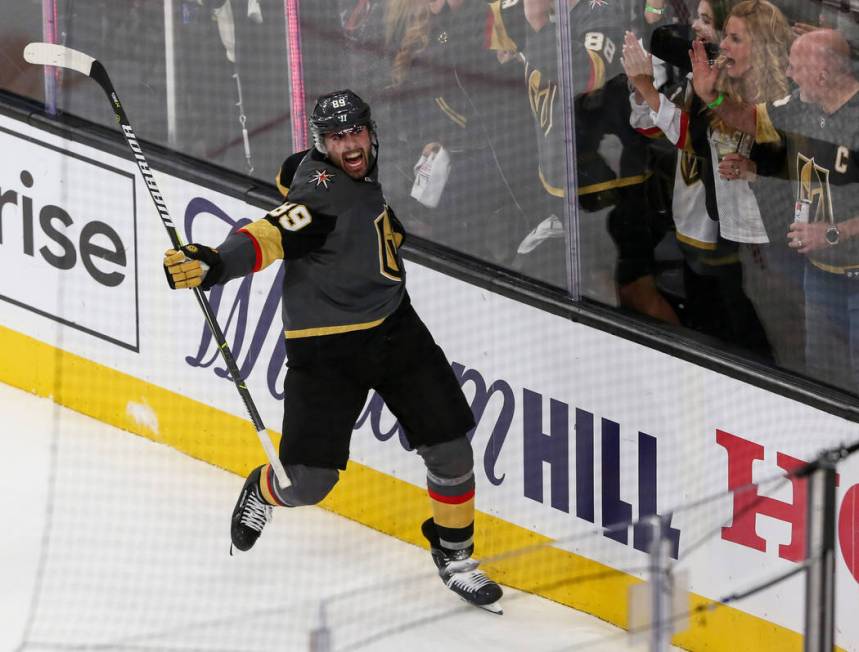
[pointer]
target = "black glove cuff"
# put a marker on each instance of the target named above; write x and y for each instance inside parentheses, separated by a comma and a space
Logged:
(209, 256)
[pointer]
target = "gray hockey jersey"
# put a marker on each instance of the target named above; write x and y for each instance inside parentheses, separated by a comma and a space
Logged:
(340, 245)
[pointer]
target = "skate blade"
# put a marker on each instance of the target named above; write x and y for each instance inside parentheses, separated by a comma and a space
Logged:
(235, 552)
(493, 607)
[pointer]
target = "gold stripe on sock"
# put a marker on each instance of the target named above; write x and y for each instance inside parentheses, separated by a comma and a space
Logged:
(453, 516)
(264, 488)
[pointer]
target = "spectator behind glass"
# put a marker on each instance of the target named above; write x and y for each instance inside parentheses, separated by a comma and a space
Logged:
(755, 47)
(460, 125)
(822, 146)
(712, 276)
(752, 69)
(814, 131)
(611, 158)
(19, 27)
(128, 38)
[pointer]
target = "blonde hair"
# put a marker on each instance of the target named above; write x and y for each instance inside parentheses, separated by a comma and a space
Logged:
(771, 37)
(406, 33)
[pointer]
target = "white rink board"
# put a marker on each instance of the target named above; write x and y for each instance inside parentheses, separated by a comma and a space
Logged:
(624, 420)
(49, 228)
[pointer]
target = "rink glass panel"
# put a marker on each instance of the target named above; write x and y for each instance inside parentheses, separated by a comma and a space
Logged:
(489, 103)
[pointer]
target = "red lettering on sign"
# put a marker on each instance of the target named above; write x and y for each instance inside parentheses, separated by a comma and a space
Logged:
(848, 530)
(748, 503)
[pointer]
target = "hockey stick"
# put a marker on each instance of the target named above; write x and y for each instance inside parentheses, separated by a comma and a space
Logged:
(49, 54)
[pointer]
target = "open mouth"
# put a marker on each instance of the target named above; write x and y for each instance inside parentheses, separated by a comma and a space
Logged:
(353, 161)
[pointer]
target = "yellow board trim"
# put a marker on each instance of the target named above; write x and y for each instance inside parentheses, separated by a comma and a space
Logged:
(375, 499)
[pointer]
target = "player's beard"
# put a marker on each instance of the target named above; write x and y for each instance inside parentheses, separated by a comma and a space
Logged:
(353, 169)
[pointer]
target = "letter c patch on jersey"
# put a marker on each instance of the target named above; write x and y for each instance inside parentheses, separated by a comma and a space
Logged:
(841, 158)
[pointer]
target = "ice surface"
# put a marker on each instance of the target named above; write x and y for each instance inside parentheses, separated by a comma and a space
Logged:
(114, 542)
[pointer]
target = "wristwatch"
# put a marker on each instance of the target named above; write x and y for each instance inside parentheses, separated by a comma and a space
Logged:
(832, 235)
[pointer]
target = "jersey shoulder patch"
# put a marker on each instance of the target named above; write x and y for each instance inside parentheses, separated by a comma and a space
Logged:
(321, 186)
(509, 26)
(285, 175)
(787, 113)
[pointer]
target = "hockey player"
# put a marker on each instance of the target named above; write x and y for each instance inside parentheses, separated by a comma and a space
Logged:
(349, 328)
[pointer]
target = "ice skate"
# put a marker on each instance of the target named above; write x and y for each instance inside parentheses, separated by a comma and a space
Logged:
(250, 515)
(459, 573)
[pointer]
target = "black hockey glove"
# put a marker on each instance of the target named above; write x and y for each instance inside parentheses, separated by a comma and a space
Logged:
(192, 265)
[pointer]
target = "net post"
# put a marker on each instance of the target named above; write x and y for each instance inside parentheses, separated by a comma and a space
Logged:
(320, 636)
(820, 558)
(660, 587)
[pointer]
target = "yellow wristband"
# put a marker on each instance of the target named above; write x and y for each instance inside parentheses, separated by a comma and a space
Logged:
(654, 10)
(717, 102)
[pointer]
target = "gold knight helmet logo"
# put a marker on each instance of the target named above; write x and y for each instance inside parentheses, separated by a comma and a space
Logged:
(389, 242)
(814, 187)
(689, 167)
(542, 97)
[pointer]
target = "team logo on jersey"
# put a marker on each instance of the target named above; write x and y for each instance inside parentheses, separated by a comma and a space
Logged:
(542, 98)
(321, 178)
(689, 168)
(814, 187)
(389, 242)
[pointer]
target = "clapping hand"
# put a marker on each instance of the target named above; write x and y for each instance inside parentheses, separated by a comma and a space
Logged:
(704, 74)
(636, 62)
